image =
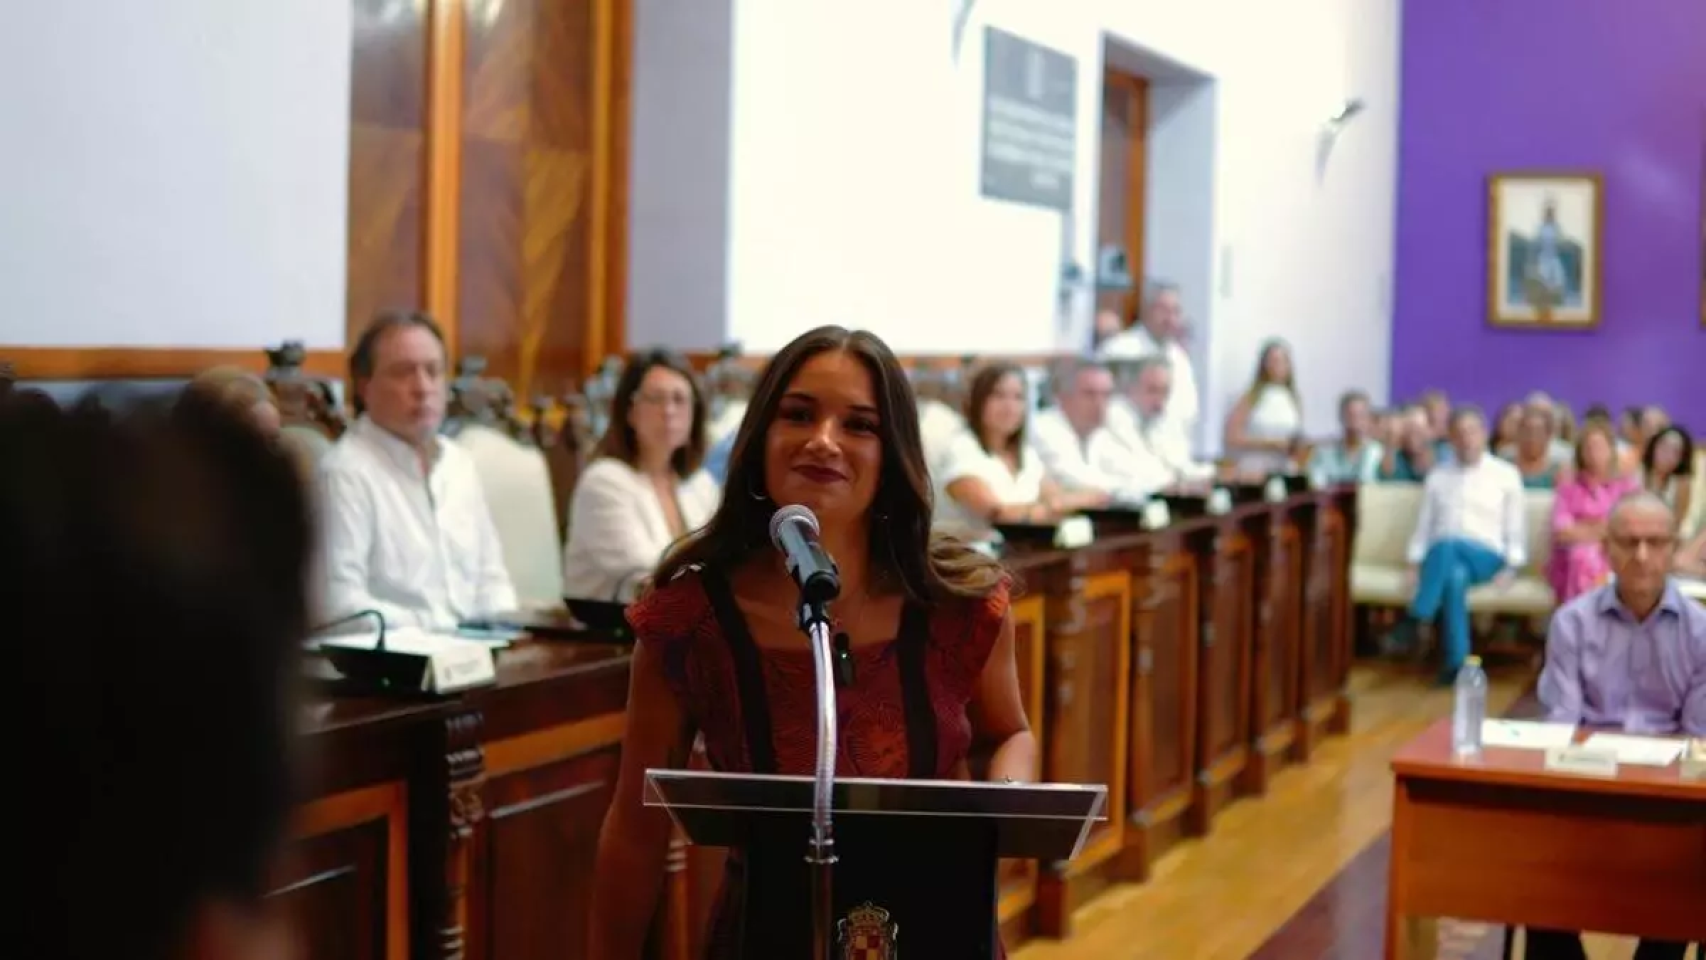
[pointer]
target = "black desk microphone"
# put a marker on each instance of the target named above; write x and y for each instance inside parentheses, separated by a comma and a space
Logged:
(379, 618)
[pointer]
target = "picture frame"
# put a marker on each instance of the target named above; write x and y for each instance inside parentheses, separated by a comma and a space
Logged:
(1545, 257)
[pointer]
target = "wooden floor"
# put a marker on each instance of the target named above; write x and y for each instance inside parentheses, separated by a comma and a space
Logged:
(1221, 897)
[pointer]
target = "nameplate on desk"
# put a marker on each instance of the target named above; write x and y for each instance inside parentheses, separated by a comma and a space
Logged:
(1274, 490)
(1074, 532)
(411, 661)
(1582, 761)
(1156, 515)
(1219, 501)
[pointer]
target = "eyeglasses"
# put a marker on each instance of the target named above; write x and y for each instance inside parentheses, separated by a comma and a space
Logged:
(1633, 544)
(664, 399)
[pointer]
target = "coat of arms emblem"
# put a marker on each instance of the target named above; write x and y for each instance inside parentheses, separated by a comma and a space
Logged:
(867, 933)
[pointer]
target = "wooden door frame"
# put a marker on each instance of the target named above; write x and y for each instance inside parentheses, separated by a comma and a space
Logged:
(1136, 177)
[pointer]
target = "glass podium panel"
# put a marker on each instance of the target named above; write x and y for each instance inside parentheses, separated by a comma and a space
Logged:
(1042, 821)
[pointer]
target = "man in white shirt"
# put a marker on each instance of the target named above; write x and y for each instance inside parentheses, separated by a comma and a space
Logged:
(1156, 452)
(1072, 438)
(1160, 331)
(407, 529)
(1470, 531)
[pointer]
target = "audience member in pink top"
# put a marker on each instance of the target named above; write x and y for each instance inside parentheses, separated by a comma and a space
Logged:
(1579, 514)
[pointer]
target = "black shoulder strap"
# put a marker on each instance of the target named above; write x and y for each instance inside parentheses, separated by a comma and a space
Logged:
(749, 672)
(915, 692)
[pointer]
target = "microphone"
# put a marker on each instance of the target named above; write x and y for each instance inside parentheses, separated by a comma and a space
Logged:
(794, 532)
(379, 618)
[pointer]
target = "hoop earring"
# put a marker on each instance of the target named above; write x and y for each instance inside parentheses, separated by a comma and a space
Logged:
(754, 494)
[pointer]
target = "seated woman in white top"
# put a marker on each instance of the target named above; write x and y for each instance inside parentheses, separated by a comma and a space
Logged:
(1265, 427)
(646, 487)
(990, 474)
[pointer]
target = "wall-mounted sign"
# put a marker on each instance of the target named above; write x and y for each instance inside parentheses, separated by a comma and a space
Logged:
(1030, 98)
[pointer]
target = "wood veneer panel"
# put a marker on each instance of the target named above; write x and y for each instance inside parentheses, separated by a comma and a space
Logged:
(147, 363)
(544, 108)
(387, 163)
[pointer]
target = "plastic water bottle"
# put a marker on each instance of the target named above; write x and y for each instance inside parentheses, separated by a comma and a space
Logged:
(1469, 709)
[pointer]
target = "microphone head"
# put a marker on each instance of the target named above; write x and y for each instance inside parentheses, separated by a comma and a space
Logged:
(792, 513)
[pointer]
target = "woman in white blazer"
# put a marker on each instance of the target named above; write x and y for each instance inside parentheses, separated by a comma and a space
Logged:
(646, 487)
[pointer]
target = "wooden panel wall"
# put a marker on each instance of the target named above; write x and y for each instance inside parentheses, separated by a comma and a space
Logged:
(388, 113)
(387, 161)
(543, 161)
(1120, 204)
(488, 170)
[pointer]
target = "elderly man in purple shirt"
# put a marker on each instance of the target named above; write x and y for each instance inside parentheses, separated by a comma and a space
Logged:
(1631, 655)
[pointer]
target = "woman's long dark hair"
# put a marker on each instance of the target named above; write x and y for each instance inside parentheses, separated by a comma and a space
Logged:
(929, 567)
(1684, 465)
(977, 400)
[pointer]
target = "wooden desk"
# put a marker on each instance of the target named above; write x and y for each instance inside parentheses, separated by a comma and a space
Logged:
(459, 828)
(1503, 840)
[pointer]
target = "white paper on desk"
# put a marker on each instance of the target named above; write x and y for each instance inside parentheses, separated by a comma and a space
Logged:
(1527, 734)
(1638, 751)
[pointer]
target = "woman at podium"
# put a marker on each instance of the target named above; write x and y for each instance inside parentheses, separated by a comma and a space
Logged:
(925, 666)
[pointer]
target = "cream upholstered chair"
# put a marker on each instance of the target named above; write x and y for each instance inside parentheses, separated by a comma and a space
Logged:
(1696, 519)
(517, 485)
(1386, 516)
(306, 444)
(1529, 594)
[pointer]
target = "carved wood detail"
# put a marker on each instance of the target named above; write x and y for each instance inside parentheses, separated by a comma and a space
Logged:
(465, 778)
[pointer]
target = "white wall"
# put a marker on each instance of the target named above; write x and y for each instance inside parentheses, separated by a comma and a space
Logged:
(1303, 251)
(678, 211)
(854, 183)
(1184, 112)
(174, 174)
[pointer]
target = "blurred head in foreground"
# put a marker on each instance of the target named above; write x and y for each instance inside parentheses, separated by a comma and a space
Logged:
(152, 571)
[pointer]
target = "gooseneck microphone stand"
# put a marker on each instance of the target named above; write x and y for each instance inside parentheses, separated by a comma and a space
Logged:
(820, 852)
(794, 532)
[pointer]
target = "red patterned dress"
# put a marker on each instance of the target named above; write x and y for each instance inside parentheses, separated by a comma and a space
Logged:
(903, 714)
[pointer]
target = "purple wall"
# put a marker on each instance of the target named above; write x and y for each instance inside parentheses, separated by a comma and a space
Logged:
(1617, 86)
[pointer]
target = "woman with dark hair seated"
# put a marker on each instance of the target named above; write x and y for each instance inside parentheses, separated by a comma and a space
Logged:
(1667, 467)
(646, 487)
(832, 426)
(152, 570)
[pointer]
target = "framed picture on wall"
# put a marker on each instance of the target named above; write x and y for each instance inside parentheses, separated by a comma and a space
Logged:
(1544, 234)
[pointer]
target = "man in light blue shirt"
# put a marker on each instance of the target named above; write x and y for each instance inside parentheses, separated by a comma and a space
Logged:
(1630, 655)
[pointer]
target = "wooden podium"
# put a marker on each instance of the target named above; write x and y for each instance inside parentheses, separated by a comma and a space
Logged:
(915, 870)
